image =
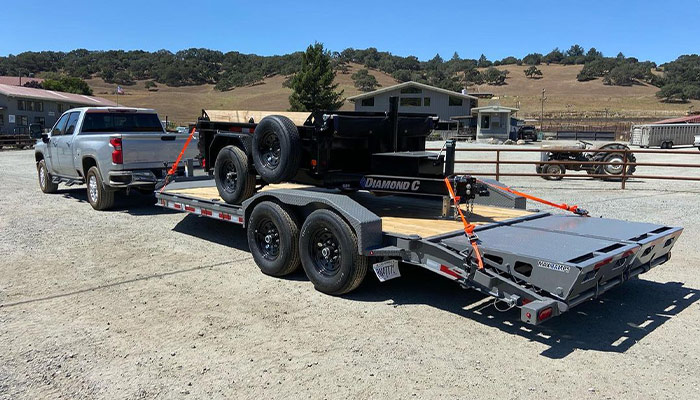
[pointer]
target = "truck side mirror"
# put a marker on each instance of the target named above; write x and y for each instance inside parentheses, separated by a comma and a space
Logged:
(45, 137)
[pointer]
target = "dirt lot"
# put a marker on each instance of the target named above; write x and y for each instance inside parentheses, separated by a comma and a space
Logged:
(145, 303)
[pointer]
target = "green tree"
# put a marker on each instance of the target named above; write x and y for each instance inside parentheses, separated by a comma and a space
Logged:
(68, 84)
(150, 85)
(493, 76)
(533, 72)
(364, 80)
(313, 87)
(483, 62)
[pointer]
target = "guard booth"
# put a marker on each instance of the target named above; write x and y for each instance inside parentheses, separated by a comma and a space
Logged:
(493, 122)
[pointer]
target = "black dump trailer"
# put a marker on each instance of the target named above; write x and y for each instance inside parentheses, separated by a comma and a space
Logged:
(347, 210)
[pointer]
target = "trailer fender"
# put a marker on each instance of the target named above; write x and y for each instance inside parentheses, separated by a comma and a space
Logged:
(366, 225)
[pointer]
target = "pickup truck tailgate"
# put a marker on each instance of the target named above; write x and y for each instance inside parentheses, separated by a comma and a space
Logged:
(155, 148)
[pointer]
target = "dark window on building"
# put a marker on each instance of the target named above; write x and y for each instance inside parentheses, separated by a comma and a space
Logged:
(369, 102)
(455, 101)
(473, 103)
(30, 106)
(411, 90)
(409, 102)
(39, 106)
(21, 105)
(60, 126)
(59, 108)
(485, 121)
(426, 101)
(72, 122)
(40, 120)
(2, 119)
(22, 120)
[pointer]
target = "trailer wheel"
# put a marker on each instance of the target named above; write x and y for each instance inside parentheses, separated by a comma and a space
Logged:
(276, 149)
(234, 181)
(99, 197)
(273, 238)
(45, 179)
(328, 250)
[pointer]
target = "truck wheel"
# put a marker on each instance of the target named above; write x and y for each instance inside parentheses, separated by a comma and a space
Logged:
(273, 238)
(99, 197)
(553, 169)
(45, 179)
(234, 181)
(276, 149)
(328, 250)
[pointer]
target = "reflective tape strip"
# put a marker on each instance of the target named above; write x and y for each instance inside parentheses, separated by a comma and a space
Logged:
(443, 270)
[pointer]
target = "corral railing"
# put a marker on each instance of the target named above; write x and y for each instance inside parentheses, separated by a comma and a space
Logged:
(499, 161)
(18, 141)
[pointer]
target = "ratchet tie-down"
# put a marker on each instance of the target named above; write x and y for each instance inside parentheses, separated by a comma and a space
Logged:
(469, 228)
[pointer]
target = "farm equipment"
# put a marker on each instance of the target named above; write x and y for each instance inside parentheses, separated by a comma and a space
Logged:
(577, 160)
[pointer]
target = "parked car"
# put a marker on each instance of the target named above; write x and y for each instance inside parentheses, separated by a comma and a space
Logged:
(110, 149)
(527, 133)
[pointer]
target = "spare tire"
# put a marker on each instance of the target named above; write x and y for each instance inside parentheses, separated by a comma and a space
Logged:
(234, 180)
(276, 149)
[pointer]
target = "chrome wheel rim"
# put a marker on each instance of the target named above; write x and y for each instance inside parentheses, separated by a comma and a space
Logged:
(42, 176)
(92, 188)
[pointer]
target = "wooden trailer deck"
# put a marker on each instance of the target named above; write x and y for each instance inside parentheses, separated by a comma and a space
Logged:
(399, 214)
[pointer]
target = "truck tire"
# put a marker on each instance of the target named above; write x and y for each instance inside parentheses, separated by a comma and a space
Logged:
(99, 197)
(45, 179)
(234, 180)
(273, 238)
(276, 149)
(328, 250)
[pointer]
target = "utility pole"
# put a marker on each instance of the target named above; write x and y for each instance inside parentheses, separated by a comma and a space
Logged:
(542, 99)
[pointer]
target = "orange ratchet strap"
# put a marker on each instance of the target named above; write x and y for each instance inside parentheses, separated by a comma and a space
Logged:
(173, 170)
(468, 228)
(574, 209)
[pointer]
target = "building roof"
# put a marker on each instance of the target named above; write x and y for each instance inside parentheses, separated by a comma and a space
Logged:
(410, 84)
(14, 80)
(41, 94)
(494, 109)
(690, 119)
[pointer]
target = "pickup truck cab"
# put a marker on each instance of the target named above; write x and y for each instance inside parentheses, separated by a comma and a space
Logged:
(109, 149)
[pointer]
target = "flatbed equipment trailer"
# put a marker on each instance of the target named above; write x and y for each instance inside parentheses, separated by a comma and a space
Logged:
(540, 262)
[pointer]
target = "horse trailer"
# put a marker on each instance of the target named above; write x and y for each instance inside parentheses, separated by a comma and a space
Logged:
(664, 135)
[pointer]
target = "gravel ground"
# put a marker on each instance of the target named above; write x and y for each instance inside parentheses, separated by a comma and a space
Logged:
(141, 302)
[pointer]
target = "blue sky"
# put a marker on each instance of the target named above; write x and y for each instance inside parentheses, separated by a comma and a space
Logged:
(654, 30)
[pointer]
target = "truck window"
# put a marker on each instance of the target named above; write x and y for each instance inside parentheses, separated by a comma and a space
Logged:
(72, 122)
(60, 126)
(120, 122)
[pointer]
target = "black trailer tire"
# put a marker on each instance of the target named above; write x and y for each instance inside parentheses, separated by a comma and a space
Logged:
(99, 197)
(273, 238)
(45, 179)
(234, 180)
(329, 255)
(276, 149)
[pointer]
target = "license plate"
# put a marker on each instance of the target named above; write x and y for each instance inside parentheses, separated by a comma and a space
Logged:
(386, 270)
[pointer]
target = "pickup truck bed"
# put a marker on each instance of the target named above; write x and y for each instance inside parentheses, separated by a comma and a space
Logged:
(542, 263)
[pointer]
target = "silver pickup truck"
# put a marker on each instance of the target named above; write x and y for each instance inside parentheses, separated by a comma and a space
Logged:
(110, 149)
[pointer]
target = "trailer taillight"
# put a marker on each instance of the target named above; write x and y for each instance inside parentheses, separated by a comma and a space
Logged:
(117, 153)
(204, 162)
(602, 263)
(545, 313)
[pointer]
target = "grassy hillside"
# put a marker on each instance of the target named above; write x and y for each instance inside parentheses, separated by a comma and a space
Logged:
(565, 95)
(184, 104)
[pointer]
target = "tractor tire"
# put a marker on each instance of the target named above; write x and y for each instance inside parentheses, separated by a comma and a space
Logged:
(100, 198)
(234, 180)
(273, 238)
(609, 170)
(276, 149)
(45, 179)
(553, 169)
(329, 256)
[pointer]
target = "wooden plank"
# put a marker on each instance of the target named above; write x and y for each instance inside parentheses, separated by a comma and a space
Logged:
(210, 193)
(243, 116)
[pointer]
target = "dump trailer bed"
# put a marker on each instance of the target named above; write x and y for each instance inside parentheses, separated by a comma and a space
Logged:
(542, 263)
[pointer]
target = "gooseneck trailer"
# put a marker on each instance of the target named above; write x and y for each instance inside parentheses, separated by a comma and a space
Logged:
(398, 208)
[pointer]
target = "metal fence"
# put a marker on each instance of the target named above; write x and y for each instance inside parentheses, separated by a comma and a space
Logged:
(498, 162)
(18, 141)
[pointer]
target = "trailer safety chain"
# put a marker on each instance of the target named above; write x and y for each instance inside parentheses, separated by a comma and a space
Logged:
(572, 208)
(468, 228)
(173, 170)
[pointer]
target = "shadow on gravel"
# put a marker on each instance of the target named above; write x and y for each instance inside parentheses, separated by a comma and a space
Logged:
(219, 232)
(612, 323)
(135, 203)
